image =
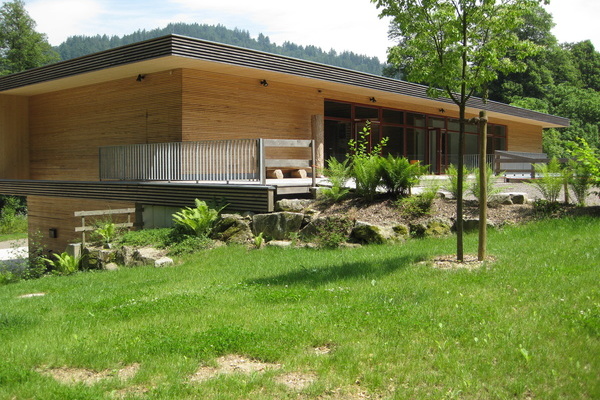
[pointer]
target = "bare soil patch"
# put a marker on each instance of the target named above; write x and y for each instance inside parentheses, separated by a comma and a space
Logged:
(231, 364)
(297, 380)
(71, 376)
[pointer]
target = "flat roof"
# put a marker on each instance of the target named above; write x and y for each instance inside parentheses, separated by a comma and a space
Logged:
(175, 51)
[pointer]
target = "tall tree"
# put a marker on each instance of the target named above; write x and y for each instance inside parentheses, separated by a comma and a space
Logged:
(21, 47)
(457, 47)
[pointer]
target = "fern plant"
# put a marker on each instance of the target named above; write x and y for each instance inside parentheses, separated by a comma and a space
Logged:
(490, 180)
(338, 174)
(197, 221)
(452, 184)
(399, 175)
(550, 181)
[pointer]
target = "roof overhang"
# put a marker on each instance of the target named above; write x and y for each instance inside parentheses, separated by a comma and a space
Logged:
(174, 52)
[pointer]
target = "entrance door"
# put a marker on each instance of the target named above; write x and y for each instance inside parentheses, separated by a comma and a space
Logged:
(437, 150)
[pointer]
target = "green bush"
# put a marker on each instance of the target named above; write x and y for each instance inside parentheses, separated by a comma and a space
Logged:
(418, 205)
(584, 170)
(399, 175)
(490, 181)
(367, 175)
(550, 179)
(11, 219)
(196, 221)
(64, 264)
(338, 174)
(451, 184)
(147, 237)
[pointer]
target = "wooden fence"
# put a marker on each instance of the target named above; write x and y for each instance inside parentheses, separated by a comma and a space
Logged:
(83, 214)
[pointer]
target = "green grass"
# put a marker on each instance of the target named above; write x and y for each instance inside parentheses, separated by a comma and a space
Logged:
(13, 236)
(527, 326)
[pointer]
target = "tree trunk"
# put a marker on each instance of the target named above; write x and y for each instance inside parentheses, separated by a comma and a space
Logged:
(461, 177)
(483, 193)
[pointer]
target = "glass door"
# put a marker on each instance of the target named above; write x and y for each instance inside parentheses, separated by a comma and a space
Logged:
(436, 151)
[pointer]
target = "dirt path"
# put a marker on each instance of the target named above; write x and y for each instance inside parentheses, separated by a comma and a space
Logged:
(12, 244)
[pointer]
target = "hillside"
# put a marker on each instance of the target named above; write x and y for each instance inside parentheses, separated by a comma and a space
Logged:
(77, 46)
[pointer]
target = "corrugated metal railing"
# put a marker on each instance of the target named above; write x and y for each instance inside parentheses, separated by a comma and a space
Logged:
(210, 160)
(207, 161)
(472, 160)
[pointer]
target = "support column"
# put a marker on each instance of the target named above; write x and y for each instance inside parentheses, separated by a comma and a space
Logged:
(318, 134)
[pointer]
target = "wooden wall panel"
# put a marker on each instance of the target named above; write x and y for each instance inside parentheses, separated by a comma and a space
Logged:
(68, 127)
(218, 106)
(522, 137)
(57, 212)
(14, 137)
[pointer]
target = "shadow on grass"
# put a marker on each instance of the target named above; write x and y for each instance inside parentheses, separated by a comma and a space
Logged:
(315, 276)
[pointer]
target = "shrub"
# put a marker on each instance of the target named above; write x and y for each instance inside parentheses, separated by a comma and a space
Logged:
(332, 232)
(584, 171)
(399, 175)
(190, 244)
(106, 232)
(420, 204)
(475, 189)
(367, 175)
(11, 221)
(451, 184)
(147, 237)
(64, 264)
(197, 221)
(338, 174)
(550, 179)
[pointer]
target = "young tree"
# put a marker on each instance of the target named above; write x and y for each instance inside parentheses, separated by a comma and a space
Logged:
(21, 47)
(457, 47)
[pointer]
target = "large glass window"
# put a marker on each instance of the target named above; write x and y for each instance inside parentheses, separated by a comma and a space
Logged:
(395, 143)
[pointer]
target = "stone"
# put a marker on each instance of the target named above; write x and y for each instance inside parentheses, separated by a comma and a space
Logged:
(124, 255)
(278, 225)
(519, 198)
(401, 230)
(148, 255)
(368, 233)
(323, 224)
(232, 228)
(292, 205)
(111, 267)
(501, 198)
(163, 262)
(473, 224)
(279, 243)
(438, 227)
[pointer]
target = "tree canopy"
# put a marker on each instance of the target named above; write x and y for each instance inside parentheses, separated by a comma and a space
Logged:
(21, 47)
(458, 47)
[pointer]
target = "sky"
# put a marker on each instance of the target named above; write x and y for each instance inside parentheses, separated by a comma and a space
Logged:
(341, 25)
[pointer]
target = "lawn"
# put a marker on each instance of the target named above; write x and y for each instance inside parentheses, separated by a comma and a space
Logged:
(373, 322)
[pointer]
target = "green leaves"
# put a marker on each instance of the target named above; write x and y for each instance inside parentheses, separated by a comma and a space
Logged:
(196, 221)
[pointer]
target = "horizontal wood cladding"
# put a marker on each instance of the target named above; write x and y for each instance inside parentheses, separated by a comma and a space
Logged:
(522, 137)
(14, 137)
(67, 127)
(45, 213)
(219, 106)
(255, 198)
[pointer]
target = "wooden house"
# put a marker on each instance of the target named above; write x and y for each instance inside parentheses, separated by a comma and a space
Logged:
(106, 131)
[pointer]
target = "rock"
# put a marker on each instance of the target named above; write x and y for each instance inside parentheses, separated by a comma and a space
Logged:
(434, 227)
(124, 255)
(473, 224)
(293, 205)
(401, 230)
(232, 228)
(111, 267)
(163, 262)
(277, 225)
(350, 245)
(500, 198)
(279, 243)
(519, 198)
(148, 255)
(438, 227)
(374, 234)
(336, 224)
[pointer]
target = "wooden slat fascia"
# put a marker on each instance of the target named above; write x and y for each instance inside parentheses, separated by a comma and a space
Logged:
(231, 55)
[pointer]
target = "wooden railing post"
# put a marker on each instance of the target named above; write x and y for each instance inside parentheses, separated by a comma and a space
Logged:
(262, 171)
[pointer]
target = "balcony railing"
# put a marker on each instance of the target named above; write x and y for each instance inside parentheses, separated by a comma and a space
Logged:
(243, 160)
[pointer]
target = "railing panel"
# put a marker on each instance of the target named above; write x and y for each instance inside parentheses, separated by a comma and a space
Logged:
(214, 160)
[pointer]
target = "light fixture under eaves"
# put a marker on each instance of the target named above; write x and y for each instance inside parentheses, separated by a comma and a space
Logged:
(264, 83)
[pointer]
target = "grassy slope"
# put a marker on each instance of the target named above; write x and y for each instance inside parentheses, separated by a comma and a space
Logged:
(527, 326)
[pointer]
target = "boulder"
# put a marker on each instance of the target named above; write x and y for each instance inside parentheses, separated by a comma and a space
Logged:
(147, 256)
(340, 225)
(368, 233)
(433, 227)
(277, 225)
(293, 205)
(163, 262)
(233, 228)
(279, 243)
(111, 267)
(472, 224)
(519, 198)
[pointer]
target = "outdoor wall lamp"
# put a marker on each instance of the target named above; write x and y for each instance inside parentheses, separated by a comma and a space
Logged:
(442, 110)
(140, 77)
(53, 233)
(264, 83)
(372, 100)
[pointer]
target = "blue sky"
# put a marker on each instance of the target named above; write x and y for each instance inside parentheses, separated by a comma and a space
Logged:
(339, 24)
